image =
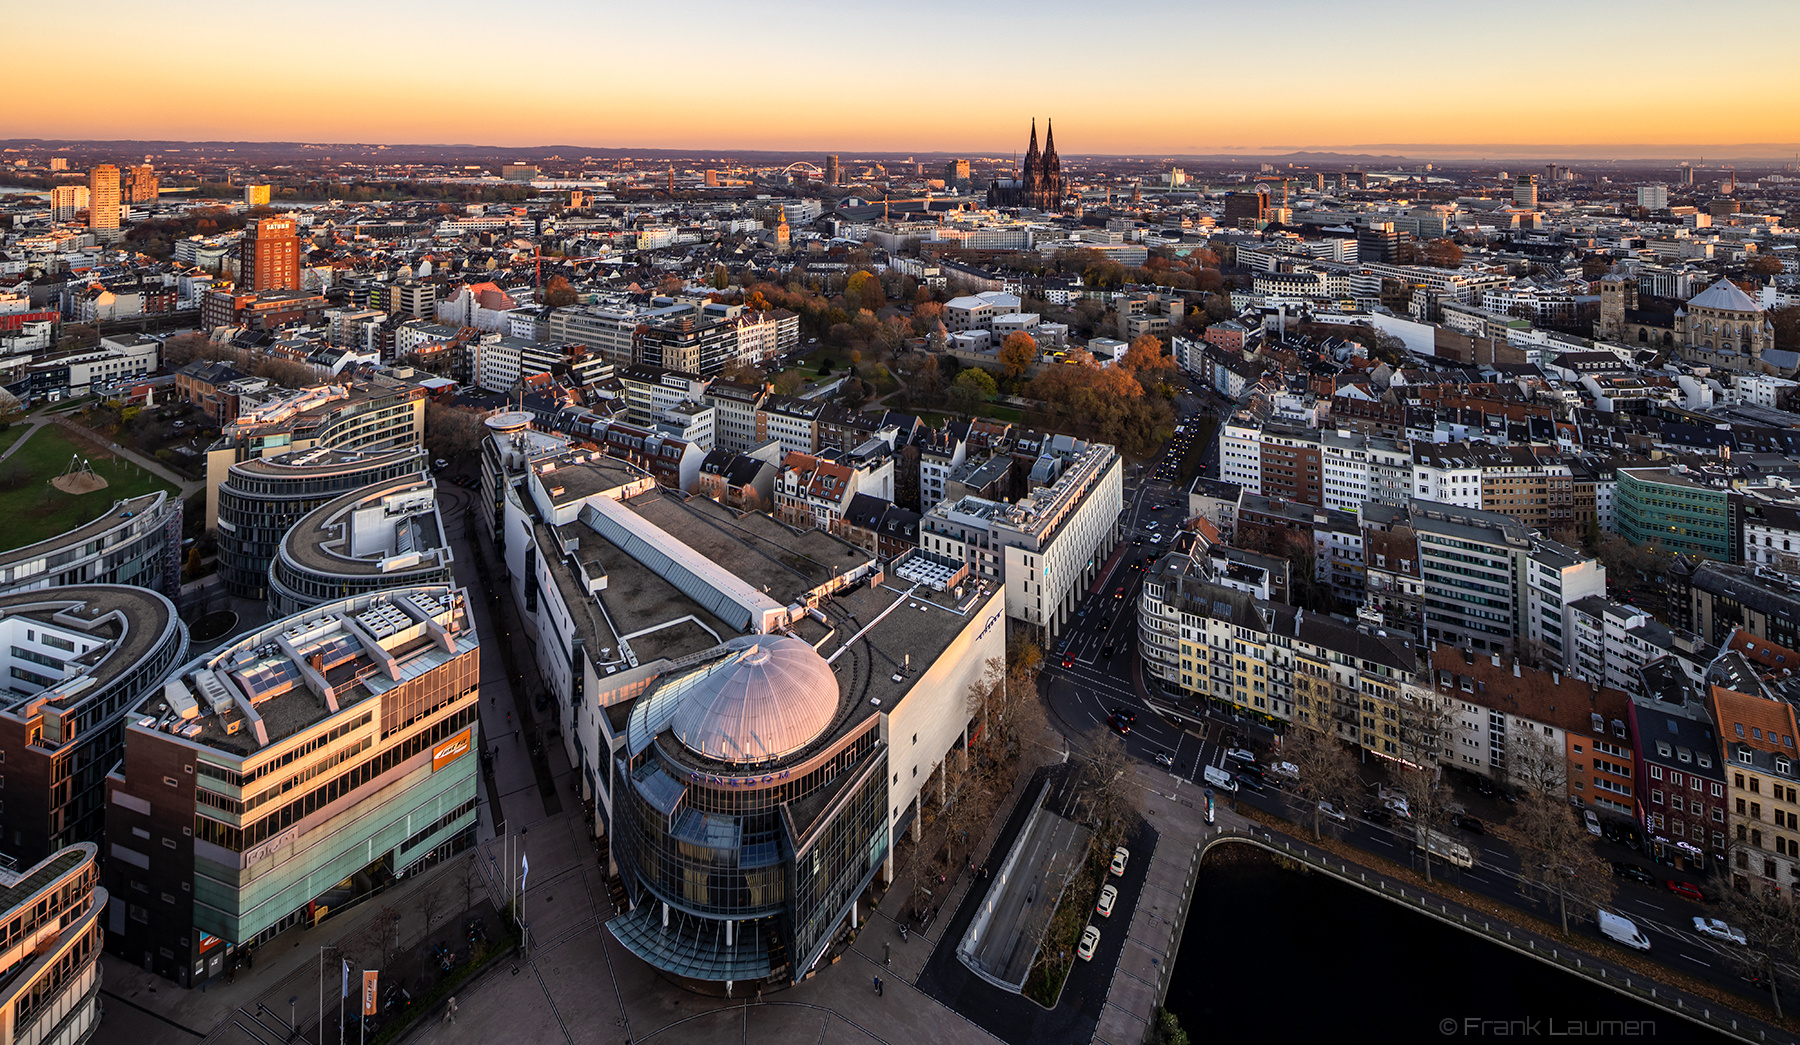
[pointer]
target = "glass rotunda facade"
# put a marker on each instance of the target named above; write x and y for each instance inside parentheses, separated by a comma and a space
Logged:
(750, 812)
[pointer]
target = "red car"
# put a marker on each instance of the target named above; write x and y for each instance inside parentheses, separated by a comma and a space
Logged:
(1068, 662)
(1685, 890)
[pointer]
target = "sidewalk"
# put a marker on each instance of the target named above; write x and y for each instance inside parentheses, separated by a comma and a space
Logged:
(187, 486)
(153, 1010)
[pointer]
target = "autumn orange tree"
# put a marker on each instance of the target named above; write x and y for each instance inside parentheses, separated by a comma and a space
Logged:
(1017, 353)
(863, 290)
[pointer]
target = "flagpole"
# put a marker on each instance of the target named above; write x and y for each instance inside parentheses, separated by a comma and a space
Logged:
(321, 992)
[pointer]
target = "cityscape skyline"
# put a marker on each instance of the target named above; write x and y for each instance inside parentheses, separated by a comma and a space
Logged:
(1226, 100)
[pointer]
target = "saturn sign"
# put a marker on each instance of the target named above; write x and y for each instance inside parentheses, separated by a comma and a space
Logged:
(450, 750)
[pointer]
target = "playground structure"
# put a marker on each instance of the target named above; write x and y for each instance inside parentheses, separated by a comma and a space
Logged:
(78, 477)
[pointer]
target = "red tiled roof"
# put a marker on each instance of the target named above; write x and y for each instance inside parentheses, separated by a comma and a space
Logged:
(1759, 722)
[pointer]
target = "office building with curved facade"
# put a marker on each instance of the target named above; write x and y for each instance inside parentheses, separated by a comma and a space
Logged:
(50, 949)
(135, 541)
(263, 498)
(380, 412)
(386, 535)
(751, 811)
(290, 771)
(77, 659)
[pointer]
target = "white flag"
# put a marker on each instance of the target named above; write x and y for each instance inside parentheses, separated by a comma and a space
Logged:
(525, 869)
(346, 979)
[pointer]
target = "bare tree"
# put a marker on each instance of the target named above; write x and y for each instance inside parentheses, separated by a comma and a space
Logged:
(1327, 770)
(451, 431)
(429, 903)
(1534, 764)
(1113, 796)
(961, 812)
(1426, 723)
(1771, 929)
(984, 694)
(1557, 854)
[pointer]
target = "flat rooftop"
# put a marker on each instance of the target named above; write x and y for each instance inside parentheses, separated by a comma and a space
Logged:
(577, 474)
(390, 528)
(766, 554)
(321, 461)
(126, 624)
(264, 687)
(113, 516)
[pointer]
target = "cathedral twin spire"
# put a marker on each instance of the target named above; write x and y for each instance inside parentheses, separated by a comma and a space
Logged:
(1040, 184)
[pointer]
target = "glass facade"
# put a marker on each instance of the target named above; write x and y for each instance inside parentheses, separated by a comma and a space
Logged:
(741, 871)
(259, 502)
(1681, 516)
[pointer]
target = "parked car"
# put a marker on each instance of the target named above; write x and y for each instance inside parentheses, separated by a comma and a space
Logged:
(1685, 890)
(1109, 895)
(1633, 872)
(1592, 821)
(1718, 930)
(1090, 939)
(1121, 855)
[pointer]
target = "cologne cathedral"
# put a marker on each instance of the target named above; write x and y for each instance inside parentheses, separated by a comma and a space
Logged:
(1041, 185)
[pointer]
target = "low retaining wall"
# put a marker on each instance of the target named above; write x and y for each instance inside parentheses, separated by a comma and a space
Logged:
(1500, 933)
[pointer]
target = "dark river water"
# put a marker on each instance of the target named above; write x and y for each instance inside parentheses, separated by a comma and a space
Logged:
(1276, 955)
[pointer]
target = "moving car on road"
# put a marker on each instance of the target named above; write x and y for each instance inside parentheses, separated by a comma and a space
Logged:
(1165, 760)
(1633, 872)
(1468, 823)
(1238, 754)
(1685, 890)
(1333, 812)
(1622, 930)
(1718, 930)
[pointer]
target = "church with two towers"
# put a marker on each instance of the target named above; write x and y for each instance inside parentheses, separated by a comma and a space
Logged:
(1040, 186)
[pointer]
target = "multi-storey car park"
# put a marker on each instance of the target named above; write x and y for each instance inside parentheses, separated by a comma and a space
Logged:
(77, 659)
(288, 771)
(385, 535)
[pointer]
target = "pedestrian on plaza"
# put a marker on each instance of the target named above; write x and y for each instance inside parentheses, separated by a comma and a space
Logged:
(878, 986)
(450, 1010)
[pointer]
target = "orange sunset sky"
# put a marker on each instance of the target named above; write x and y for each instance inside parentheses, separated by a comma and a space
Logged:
(929, 76)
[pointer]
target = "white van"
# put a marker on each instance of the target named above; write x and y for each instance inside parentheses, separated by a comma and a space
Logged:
(1622, 930)
(1220, 779)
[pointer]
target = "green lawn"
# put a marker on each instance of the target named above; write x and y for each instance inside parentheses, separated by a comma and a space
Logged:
(11, 436)
(39, 510)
